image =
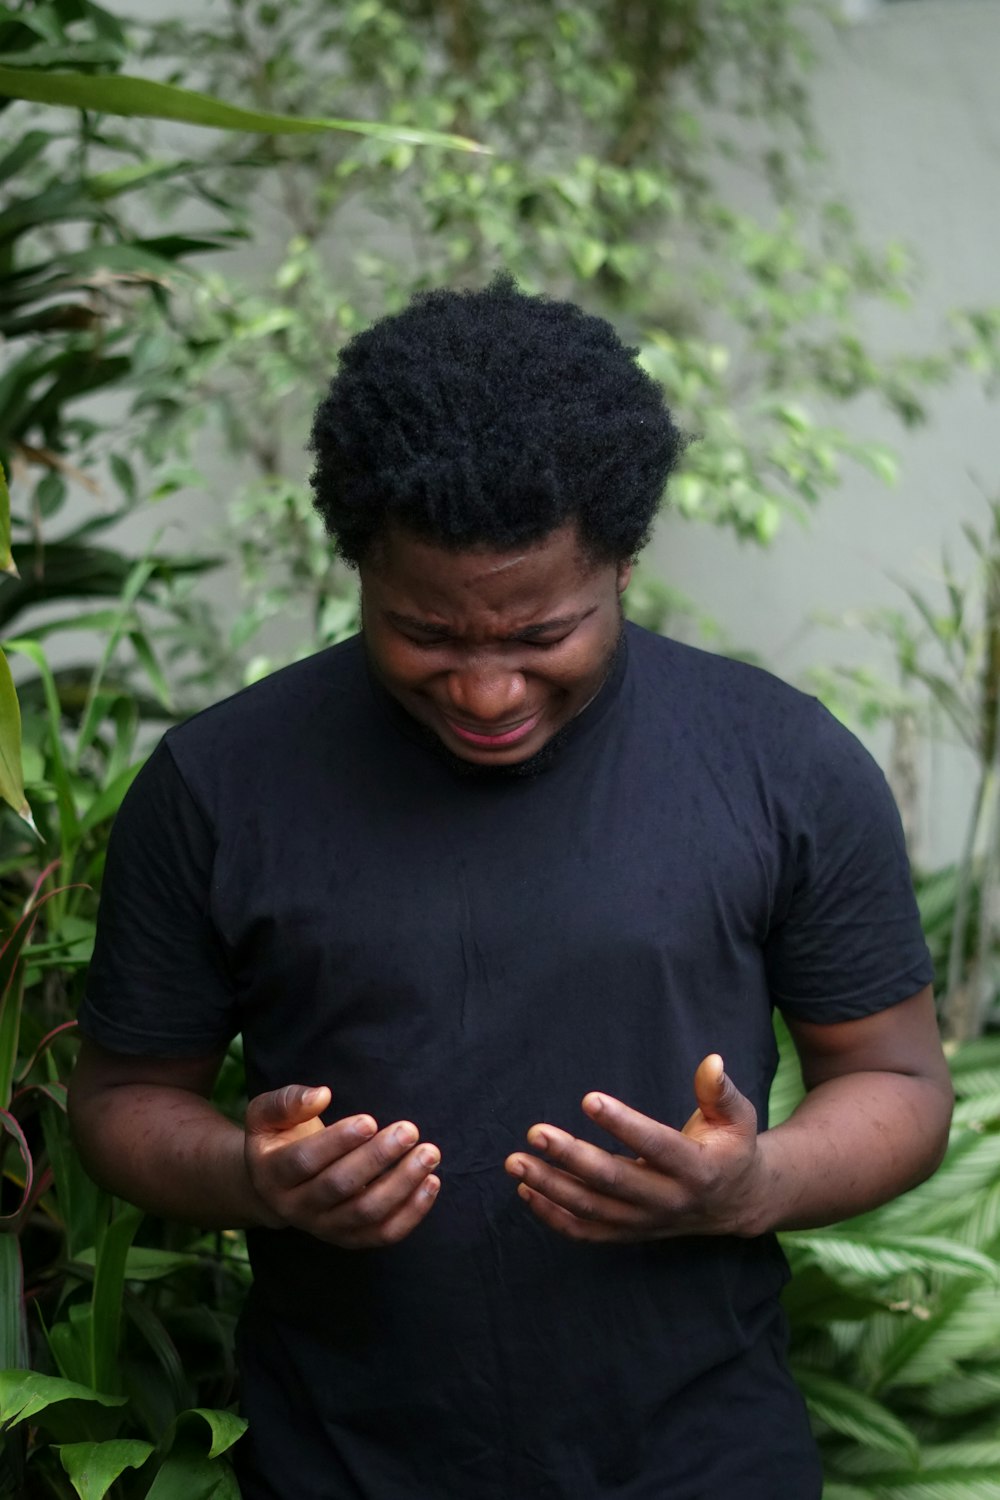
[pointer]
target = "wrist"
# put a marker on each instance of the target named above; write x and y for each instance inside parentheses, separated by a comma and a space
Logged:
(760, 1208)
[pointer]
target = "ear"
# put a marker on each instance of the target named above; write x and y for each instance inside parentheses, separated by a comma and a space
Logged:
(624, 574)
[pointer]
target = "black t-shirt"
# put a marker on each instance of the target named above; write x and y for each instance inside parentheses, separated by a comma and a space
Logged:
(476, 953)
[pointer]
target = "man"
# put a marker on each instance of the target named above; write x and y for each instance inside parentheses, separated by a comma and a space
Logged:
(494, 857)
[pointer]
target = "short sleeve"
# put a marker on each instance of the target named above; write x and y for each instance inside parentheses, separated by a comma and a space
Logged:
(848, 941)
(158, 983)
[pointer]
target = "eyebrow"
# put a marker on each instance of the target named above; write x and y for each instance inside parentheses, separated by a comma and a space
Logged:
(529, 633)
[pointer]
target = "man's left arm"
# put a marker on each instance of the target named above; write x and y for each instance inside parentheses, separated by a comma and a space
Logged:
(874, 1123)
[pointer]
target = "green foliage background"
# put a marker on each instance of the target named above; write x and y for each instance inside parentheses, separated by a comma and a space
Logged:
(609, 128)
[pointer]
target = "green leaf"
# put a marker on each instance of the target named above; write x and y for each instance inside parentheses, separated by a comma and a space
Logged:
(13, 1343)
(7, 564)
(9, 1126)
(859, 1417)
(94, 1467)
(68, 825)
(109, 1286)
(146, 99)
(225, 1427)
(25, 1393)
(190, 1476)
(107, 803)
(11, 769)
(145, 1263)
(28, 148)
(880, 1257)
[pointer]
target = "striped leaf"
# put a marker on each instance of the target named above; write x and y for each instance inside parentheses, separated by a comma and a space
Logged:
(967, 1323)
(857, 1416)
(958, 1395)
(878, 1258)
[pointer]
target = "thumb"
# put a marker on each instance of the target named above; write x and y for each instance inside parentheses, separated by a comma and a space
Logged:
(719, 1100)
(283, 1109)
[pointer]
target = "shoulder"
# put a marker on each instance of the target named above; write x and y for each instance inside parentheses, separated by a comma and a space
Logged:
(700, 687)
(745, 728)
(271, 713)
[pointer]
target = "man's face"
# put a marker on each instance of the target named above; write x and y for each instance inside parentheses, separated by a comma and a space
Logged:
(493, 651)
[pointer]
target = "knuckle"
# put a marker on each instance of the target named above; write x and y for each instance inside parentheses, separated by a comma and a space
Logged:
(367, 1210)
(296, 1162)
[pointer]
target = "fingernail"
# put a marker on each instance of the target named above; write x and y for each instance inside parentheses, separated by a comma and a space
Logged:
(539, 1139)
(431, 1187)
(428, 1157)
(405, 1136)
(524, 1192)
(311, 1095)
(363, 1127)
(516, 1166)
(594, 1103)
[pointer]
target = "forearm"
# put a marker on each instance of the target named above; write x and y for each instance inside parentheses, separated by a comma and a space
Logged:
(168, 1151)
(853, 1143)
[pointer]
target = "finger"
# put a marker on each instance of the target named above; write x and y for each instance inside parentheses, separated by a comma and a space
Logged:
(581, 1199)
(612, 1176)
(370, 1206)
(655, 1142)
(719, 1100)
(364, 1168)
(284, 1108)
(295, 1158)
(595, 1231)
(399, 1224)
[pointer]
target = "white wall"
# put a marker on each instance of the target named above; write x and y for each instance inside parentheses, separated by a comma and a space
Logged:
(908, 105)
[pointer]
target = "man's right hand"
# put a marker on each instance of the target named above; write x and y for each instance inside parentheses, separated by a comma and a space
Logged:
(348, 1183)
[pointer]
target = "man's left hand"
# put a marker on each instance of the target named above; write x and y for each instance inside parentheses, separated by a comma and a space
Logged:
(705, 1179)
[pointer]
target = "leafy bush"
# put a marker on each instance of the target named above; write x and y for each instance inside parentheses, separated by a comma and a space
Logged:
(895, 1315)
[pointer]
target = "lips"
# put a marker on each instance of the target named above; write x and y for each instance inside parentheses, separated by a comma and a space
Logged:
(497, 739)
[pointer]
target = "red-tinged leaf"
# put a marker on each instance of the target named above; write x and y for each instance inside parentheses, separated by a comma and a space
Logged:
(54, 1092)
(40, 1050)
(10, 1127)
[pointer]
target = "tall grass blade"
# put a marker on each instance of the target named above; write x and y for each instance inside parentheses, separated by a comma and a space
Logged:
(142, 97)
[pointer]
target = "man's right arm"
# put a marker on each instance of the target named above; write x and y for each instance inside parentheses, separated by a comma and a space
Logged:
(146, 1130)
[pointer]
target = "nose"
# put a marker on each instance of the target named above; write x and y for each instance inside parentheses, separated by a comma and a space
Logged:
(486, 694)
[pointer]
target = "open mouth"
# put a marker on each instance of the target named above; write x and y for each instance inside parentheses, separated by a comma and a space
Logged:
(495, 739)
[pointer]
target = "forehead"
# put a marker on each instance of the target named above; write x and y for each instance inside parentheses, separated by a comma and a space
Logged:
(433, 579)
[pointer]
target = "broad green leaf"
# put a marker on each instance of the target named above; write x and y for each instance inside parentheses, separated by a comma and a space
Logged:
(11, 769)
(965, 1325)
(946, 1471)
(190, 1476)
(12, 1332)
(880, 1257)
(25, 1393)
(958, 1395)
(146, 99)
(857, 1416)
(225, 1428)
(94, 1467)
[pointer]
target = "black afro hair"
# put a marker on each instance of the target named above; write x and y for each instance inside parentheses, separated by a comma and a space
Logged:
(490, 418)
